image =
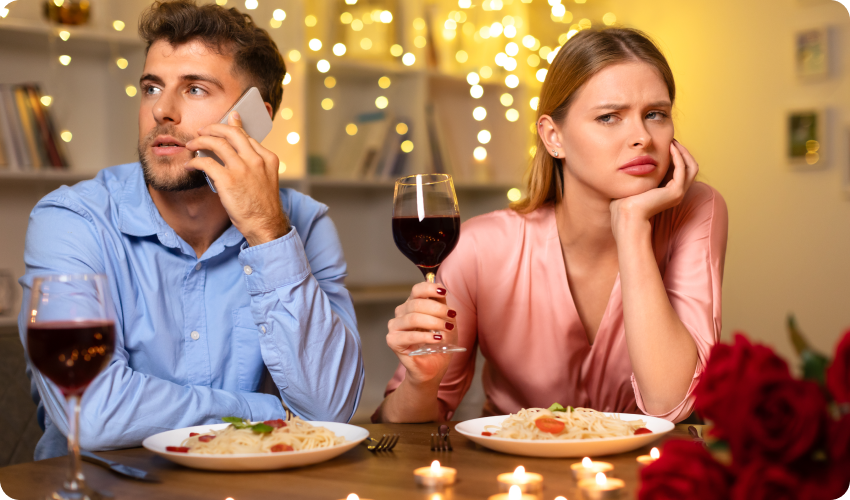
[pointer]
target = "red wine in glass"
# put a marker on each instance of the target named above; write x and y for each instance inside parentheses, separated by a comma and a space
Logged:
(427, 242)
(71, 353)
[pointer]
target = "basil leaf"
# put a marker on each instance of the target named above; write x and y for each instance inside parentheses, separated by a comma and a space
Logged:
(237, 422)
(557, 407)
(261, 428)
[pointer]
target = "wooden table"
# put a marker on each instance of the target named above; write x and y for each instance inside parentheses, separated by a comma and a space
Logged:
(375, 476)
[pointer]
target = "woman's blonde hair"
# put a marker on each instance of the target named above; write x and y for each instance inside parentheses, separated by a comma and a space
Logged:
(586, 54)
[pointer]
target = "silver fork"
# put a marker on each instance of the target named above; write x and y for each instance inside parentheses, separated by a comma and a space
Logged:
(386, 443)
(440, 441)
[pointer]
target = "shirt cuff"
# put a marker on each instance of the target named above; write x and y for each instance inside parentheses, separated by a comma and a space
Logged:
(263, 406)
(275, 264)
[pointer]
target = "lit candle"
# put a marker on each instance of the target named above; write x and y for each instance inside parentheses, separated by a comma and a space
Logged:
(528, 482)
(648, 459)
(588, 469)
(353, 496)
(435, 476)
(601, 488)
(513, 494)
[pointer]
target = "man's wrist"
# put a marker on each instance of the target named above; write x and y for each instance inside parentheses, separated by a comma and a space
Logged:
(266, 235)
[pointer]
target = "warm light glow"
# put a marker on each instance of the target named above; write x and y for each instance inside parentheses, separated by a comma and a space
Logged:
(327, 103)
(315, 44)
(571, 34)
(294, 55)
(528, 41)
(58, 3)
(323, 66)
(512, 49)
(558, 10)
(506, 99)
(386, 17)
(484, 32)
(510, 64)
(532, 151)
(66, 136)
(495, 29)
(479, 113)
(479, 153)
(435, 468)
(351, 129)
(407, 146)
(496, 4)
(484, 138)
(46, 100)
(420, 41)
(586, 462)
(286, 113)
(274, 23)
(408, 59)
(515, 493)
(601, 479)
(472, 78)
(512, 81)
(585, 24)
(450, 24)
(339, 49)
(812, 157)
(310, 21)
(396, 50)
(512, 115)
(64, 60)
(609, 19)
(221, 2)
(560, 498)
(534, 102)
(351, 2)
(384, 82)
(279, 15)
(251, 4)
(287, 78)
(346, 18)
(485, 72)
(293, 138)
(118, 25)
(461, 56)
(541, 74)
(476, 91)
(352, 496)
(365, 43)
(122, 63)
(510, 31)
(357, 25)
(812, 146)
(281, 167)
(544, 52)
(381, 102)
(401, 128)
(514, 194)
(464, 4)
(131, 90)
(64, 35)
(419, 23)
(551, 56)
(449, 34)
(654, 453)
(519, 473)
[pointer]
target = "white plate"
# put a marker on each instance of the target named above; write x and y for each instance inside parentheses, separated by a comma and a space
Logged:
(252, 461)
(472, 429)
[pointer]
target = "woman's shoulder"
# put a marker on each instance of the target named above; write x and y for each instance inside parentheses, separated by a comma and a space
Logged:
(506, 222)
(702, 197)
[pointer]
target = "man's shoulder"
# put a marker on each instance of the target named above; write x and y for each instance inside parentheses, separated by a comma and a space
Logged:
(301, 209)
(96, 195)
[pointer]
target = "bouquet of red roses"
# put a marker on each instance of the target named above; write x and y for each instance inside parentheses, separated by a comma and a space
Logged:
(773, 436)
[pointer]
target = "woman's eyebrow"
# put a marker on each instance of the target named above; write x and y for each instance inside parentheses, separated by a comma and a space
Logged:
(617, 107)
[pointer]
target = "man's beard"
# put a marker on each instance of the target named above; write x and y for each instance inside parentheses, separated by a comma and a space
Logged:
(159, 178)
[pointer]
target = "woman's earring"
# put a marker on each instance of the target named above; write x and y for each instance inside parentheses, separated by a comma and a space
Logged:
(554, 153)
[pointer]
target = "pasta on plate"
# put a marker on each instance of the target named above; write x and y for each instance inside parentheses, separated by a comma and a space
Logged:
(559, 423)
(271, 436)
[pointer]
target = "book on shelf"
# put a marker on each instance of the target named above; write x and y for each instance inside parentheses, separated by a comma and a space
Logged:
(28, 139)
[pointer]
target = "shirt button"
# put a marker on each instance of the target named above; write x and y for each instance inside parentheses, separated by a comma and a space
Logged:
(248, 270)
(263, 329)
(198, 266)
(195, 335)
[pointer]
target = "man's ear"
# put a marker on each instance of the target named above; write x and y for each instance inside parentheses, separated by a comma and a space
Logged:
(269, 109)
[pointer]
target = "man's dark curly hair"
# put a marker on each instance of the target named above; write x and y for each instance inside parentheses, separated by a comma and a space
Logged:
(224, 30)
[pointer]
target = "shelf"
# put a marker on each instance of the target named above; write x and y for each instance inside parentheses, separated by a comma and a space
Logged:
(8, 322)
(383, 294)
(78, 33)
(63, 176)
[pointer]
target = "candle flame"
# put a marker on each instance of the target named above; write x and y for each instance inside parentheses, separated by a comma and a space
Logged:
(601, 479)
(352, 497)
(587, 462)
(514, 493)
(519, 473)
(654, 453)
(560, 498)
(435, 468)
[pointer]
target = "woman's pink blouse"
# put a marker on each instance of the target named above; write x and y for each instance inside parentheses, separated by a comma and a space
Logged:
(507, 281)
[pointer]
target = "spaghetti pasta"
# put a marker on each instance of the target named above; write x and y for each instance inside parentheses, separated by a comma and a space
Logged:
(292, 435)
(573, 423)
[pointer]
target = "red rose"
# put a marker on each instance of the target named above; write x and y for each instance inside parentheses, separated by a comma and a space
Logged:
(838, 441)
(728, 369)
(777, 421)
(838, 373)
(764, 481)
(823, 480)
(685, 470)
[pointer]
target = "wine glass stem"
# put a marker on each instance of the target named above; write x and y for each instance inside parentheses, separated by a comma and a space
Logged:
(75, 481)
(431, 278)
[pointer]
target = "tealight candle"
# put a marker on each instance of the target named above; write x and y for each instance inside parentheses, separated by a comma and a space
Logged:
(515, 493)
(528, 482)
(644, 460)
(601, 488)
(435, 476)
(588, 469)
(353, 496)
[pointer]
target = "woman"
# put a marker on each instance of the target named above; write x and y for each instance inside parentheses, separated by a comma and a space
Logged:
(601, 288)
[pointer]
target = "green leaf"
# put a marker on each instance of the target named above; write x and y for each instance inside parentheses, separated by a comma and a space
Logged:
(570, 409)
(261, 428)
(237, 422)
(814, 366)
(557, 407)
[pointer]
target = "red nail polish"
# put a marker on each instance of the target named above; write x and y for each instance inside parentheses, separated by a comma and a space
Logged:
(441, 291)
(438, 337)
(449, 326)
(452, 313)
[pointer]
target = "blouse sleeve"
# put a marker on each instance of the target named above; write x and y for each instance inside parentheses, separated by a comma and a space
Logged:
(693, 237)
(459, 275)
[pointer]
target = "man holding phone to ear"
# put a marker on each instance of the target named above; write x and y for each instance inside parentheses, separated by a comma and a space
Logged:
(215, 294)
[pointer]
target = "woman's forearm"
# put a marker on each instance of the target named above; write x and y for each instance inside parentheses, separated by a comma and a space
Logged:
(662, 352)
(411, 403)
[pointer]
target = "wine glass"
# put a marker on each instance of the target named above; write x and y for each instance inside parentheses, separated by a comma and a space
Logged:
(70, 339)
(426, 227)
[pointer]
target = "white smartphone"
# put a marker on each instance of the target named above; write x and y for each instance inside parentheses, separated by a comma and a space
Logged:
(255, 121)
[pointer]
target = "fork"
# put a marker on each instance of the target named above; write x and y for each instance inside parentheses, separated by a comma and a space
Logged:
(386, 443)
(440, 441)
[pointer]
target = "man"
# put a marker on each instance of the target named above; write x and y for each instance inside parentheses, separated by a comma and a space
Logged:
(213, 293)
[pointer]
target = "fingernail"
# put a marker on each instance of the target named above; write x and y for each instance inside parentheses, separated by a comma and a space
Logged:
(452, 314)
(441, 291)
(449, 326)
(438, 337)
(235, 114)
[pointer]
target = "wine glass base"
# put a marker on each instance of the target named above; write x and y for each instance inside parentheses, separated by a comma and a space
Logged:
(438, 349)
(85, 494)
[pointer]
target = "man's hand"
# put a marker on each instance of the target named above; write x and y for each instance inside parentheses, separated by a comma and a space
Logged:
(247, 184)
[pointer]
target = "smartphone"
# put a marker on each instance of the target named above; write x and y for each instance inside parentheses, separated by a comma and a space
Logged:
(255, 121)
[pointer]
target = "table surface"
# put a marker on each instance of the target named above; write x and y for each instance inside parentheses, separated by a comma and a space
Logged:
(374, 476)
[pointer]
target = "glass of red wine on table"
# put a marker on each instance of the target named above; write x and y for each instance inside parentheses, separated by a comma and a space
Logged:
(70, 340)
(426, 228)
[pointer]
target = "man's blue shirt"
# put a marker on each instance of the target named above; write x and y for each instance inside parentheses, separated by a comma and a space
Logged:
(196, 337)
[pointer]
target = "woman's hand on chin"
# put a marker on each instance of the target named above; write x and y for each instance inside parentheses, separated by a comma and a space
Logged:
(633, 212)
(420, 320)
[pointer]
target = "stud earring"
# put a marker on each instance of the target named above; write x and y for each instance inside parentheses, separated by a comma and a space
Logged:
(554, 153)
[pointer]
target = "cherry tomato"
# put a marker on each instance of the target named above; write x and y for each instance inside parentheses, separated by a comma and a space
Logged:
(177, 449)
(277, 424)
(550, 425)
(206, 439)
(642, 430)
(485, 433)
(281, 447)
(193, 434)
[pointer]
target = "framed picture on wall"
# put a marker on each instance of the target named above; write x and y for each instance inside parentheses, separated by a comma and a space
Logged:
(804, 138)
(812, 54)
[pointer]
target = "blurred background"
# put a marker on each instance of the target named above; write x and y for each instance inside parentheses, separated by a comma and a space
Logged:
(381, 88)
